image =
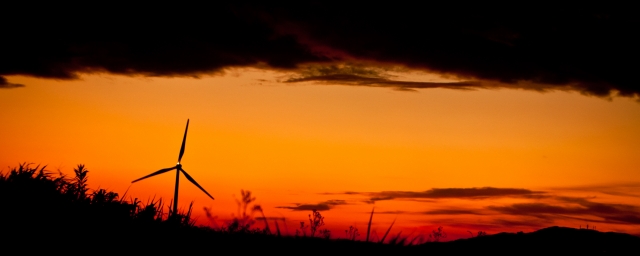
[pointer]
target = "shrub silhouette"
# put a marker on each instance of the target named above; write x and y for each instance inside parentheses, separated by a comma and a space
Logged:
(37, 199)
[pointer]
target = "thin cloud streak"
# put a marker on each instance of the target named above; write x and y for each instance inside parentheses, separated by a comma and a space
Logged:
(323, 206)
(4, 84)
(454, 212)
(610, 213)
(617, 189)
(355, 80)
(449, 193)
(439, 212)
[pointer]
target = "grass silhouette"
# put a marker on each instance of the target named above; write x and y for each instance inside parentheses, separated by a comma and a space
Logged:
(43, 212)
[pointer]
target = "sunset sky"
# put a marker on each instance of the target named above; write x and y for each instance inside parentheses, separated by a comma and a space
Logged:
(473, 120)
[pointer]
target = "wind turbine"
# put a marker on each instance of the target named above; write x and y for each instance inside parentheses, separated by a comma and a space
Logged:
(178, 169)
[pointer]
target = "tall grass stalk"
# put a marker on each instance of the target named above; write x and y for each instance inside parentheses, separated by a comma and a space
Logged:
(258, 208)
(369, 225)
(387, 233)
(277, 228)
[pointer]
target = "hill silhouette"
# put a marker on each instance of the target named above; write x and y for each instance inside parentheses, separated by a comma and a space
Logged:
(42, 213)
(547, 240)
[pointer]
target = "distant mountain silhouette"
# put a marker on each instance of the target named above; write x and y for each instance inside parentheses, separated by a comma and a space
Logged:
(550, 240)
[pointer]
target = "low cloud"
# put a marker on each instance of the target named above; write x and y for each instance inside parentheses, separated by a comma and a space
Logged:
(356, 80)
(323, 206)
(438, 212)
(454, 212)
(4, 84)
(614, 189)
(575, 207)
(534, 209)
(450, 193)
(394, 212)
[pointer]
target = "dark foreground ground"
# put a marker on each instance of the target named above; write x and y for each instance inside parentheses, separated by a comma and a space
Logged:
(152, 240)
(45, 214)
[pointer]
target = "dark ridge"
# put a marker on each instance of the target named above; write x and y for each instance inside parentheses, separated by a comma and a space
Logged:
(551, 240)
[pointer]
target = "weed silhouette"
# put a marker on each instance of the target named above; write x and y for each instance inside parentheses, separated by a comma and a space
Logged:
(242, 222)
(302, 231)
(315, 221)
(436, 235)
(480, 233)
(352, 233)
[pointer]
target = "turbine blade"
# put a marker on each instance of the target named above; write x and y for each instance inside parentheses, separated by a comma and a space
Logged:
(155, 173)
(184, 140)
(194, 182)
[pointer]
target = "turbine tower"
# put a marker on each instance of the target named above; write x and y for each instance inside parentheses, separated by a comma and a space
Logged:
(178, 169)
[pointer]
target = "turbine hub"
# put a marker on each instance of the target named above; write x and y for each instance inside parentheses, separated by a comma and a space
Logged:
(179, 165)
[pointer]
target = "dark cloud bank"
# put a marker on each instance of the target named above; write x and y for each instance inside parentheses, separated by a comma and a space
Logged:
(591, 49)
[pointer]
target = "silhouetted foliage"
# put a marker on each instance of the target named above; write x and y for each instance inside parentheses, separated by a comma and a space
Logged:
(315, 221)
(242, 222)
(38, 199)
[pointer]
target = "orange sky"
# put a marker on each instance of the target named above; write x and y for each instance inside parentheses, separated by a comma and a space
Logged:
(310, 143)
